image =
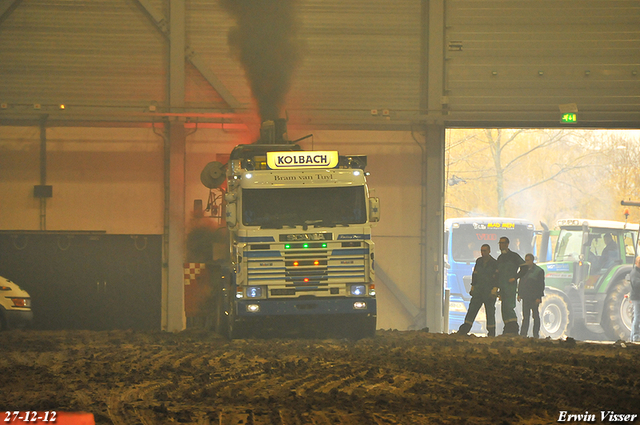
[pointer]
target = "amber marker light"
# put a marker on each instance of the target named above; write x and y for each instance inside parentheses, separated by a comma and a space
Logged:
(20, 302)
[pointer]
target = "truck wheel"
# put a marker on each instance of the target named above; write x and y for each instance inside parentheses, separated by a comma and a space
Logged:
(618, 312)
(554, 316)
(218, 318)
(235, 329)
(362, 327)
(368, 327)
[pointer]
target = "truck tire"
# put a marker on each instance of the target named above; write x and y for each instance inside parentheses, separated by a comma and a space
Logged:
(235, 329)
(554, 316)
(365, 327)
(617, 313)
(217, 316)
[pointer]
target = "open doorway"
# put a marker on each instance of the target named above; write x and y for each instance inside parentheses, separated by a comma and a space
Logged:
(552, 181)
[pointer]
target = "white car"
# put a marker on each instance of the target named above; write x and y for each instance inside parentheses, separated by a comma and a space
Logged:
(15, 305)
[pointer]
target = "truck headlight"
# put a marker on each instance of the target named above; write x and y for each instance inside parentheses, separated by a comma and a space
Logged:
(254, 291)
(253, 308)
(360, 305)
(358, 290)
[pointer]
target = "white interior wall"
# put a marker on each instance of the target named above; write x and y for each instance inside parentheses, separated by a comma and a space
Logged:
(106, 179)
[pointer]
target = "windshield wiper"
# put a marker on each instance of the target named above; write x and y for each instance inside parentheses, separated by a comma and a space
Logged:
(320, 223)
(331, 223)
(273, 224)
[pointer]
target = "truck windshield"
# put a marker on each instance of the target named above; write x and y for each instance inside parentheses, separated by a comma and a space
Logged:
(321, 206)
(467, 240)
(569, 245)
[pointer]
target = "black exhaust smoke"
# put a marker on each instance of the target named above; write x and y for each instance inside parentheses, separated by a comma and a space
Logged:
(265, 41)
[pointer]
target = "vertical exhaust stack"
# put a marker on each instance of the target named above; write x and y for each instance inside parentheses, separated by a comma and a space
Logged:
(274, 132)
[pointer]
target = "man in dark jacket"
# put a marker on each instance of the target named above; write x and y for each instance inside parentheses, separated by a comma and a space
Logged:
(508, 264)
(610, 255)
(530, 291)
(482, 284)
(634, 296)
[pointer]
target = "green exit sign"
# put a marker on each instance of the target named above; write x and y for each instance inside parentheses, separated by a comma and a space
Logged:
(569, 118)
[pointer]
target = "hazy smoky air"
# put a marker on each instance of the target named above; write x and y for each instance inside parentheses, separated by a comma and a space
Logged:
(265, 41)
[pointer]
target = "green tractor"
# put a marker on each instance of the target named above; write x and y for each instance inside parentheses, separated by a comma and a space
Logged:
(587, 279)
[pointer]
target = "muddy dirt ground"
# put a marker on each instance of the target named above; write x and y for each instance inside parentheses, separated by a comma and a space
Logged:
(413, 377)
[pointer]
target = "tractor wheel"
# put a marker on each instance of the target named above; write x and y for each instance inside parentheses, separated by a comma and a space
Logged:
(617, 313)
(554, 316)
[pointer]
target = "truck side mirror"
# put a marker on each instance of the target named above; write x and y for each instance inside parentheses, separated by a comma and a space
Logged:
(231, 215)
(374, 209)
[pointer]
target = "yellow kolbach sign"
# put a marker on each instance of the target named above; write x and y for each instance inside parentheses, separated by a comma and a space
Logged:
(300, 159)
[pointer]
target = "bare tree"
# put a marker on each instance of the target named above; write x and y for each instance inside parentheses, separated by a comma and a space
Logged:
(497, 156)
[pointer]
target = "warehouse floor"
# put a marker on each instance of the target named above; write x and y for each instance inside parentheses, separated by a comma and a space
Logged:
(197, 377)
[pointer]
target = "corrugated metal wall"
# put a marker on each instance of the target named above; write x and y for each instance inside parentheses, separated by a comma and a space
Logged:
(94, 53)
(519, 60)
(359, 55)
(506, 60)
(356, 56)
(207, 27)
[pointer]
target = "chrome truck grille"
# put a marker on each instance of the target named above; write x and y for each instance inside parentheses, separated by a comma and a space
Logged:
(306, 267)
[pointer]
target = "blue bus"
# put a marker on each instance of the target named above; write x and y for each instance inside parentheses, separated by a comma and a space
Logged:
(463, 238)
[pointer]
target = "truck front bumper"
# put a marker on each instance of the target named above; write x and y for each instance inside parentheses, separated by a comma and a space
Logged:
(18, 319)
(307, 307)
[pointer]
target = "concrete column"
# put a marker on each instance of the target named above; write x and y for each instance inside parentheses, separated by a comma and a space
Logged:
(433, 89)
(176, 320)
(175, 195)
(434, 209)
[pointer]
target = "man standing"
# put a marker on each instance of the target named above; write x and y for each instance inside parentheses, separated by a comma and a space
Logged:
(634, 296)
(508, 264)
(482, 283)
(530, 291)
